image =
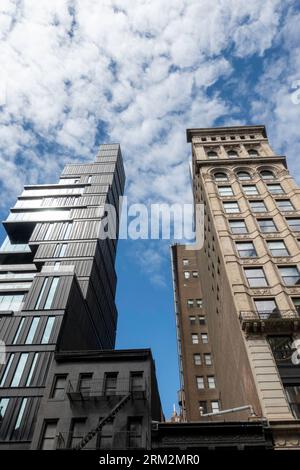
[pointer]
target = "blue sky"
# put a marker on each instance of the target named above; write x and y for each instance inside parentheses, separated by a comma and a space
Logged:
(77, 74)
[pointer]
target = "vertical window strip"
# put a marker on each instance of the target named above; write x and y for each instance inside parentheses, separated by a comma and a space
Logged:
(38, 303)
(19, 370)
(3, 406)
(32, 330)
(8, 366)
(32, 369)
(51, 293)
(48, 330)
(21, 413)
(17, 335)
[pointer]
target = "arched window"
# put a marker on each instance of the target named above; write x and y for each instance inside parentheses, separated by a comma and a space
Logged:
(243, 175)
(232, 153)
(253, 153)
(267, 175)
(220, 176)
(212, 154)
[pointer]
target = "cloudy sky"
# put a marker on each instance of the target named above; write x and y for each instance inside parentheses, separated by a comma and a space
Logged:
(75, 74)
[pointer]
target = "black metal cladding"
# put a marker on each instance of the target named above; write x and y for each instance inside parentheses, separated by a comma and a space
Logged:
(71, 298)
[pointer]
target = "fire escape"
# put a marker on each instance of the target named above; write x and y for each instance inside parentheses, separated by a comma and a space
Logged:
(116, 399)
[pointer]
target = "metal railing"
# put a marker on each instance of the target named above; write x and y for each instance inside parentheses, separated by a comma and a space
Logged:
(101, 388)
(269, 315)
(119, 440)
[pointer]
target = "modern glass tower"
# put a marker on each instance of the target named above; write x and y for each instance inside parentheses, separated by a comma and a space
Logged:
(57, 281)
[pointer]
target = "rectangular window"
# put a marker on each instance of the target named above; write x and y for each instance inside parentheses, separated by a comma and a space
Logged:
(258, 206)
(58, 387)
(134, 432)
(266, 225)
(203, 407)
(215, 408)
(195, 274)
(48, 330)
(192, 319)
(225, 190)
(231, 207)
(204, 338)
(190, 303)
(3, 406)
(77, 431)
(18, 332)
(7, 369)
(60, 250)
(195, 338)
(67, 231)
(49, 435)
(32, 330)
(105, 437)
(38, 304)
(238, 226)
(136, 381)
(202, 320)
(266, 307)
(211, 382)
(187, 274)
(246, 249)
(51, 293)
(85, 384)
(200, 383)
(290, 275)
(199, 303)
(277, 248)
(293, 396)
(48, 233)
(197, 359)
(19, 370)
(10, 301)
(296, 302)
(294, 224)
(185, 262)
(255, 277)
(20, 415)
(250, 189)
(31, 371)
(275, 188)
(284, 205)
(111, 383)
(207, 359)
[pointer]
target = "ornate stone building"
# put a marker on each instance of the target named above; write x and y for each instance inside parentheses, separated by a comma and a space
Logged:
(249, 275)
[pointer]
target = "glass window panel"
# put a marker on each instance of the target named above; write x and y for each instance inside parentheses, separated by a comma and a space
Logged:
(290, 275)
(238, 226)
(246, 249)
(32, 369)
(258, 206)
(20, 414)
(48, 330)
(275, 188)
(32, 330)
(231, 207)
(18, 332)
(225, 190)
(215, 406)
(7, 369)
(294, 224)
(267, 225)
(51, 293)
(250, 190)
(284, 205)
(200, 382)
(39, 300)
(19, 370)
(3, 406)
(243, 175)
(277, 248)
(211, 382)
(267, 175)
(256, 277)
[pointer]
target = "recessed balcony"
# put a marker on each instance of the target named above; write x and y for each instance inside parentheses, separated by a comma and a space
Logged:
(275, 321)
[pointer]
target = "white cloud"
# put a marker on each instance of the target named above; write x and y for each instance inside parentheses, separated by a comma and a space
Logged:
(143, 70)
